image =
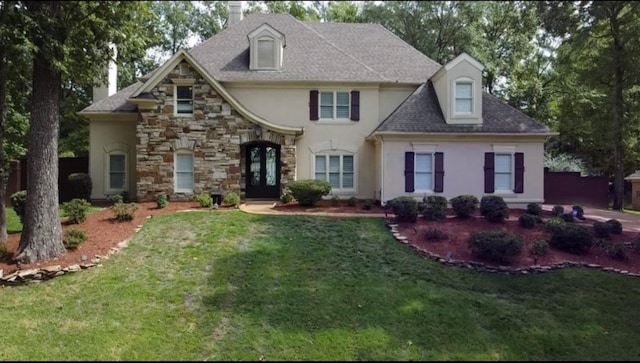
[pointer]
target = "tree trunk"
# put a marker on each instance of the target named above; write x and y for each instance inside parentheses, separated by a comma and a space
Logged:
(41, 237)
(618, 114)
(4, 164)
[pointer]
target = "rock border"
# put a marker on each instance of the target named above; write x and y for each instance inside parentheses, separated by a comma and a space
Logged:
(506, 270)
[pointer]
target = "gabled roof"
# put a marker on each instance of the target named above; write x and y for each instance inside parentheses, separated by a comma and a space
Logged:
(421, 113)
(114, 103)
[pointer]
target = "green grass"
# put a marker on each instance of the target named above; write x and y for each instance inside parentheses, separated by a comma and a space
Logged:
(14, 225)
(234, 286)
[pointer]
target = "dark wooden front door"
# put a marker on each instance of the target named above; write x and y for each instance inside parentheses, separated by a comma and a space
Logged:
(263, 170)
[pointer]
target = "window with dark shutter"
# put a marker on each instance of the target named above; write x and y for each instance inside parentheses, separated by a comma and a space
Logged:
(355, 105)
(438, 182)
(408, 172)
(519, 173)
(313, 105)
(488, 173)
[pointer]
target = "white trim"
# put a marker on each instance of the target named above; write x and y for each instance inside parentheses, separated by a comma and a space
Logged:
(265, 32)
(511, 173)
(175, 101)
(107, 174)
(423, 148)
(341, 154)
(504, 149)
(463, 57)
(175, 171)
(432, 171)
(334, 119)
(333, 145)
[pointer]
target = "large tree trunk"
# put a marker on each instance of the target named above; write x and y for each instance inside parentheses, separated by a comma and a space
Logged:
(618, 114)
(4, 164)
(42, 234)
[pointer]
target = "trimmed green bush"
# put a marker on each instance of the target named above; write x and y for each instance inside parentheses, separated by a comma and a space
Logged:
(232, 199)
(335, 200)
(81, 185)
(554, 223)
(74, 237)
(308, 192)
(539, 248)
(635, 245)
(286, 198)
(567, 217)
(76, 210)
(571, 238)
(527, 220)
(161, 200)
(352, 201)
(493, 208)
(557, 210)
(495, 246)
(464, 205)
(19, 203)
(534, 209)
(435, 208)
(205, 200)
(124, 211)
(435, 234)
(404, 208)
(615, 250)
(602, 229)
(117, 199)
(616, 226)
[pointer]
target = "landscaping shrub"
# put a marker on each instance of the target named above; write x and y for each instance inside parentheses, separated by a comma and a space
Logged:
(161, 200)
(534, 209)
(74, 237)
(615, 250)
(495, 246)
(602, 229)
(4, 254)
(494, 209)
(435, 208)
(405, 209)
(421, 207)
(19, 203)
(527, 220)
(539, 248)
(554, 223)
(578, 212)
(567, 217)
(205, 200)
(557, 210)
(124, 211)
(635, 245)
(231, 199)
(76, 210)
(367, 204)
(308, 192)
(117, 199)
(571, 238)
(125, 197)
(286, 198)
(435, 234)
(616, 226)
(81, 185)
(464, 205)
(352, 201)
(335, 200)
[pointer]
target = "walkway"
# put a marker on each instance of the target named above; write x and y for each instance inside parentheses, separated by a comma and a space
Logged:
(265, 208)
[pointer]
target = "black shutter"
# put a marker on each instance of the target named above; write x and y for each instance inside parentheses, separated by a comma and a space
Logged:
(438, 182)
(519, 177)
(313, 105)
(355, 105)
(408, 172)
(489, 176)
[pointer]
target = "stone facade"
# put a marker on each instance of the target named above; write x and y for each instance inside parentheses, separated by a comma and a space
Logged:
(215, 133)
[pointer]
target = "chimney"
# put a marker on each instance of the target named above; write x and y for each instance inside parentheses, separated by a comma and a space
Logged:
(235, 12)
(105, 90)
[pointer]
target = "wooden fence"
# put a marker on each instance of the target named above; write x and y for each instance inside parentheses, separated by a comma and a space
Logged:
(563, 187)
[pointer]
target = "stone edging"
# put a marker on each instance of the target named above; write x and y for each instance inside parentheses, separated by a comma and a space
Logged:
(481, 267)
(36, 275)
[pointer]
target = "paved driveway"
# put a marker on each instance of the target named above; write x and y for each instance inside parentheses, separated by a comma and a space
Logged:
(629, 221)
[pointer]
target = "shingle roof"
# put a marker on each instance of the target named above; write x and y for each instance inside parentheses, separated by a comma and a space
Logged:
(317, 52)
(421, 113)
(116, 102)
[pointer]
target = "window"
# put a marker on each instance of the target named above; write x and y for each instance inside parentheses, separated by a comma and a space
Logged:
(338, 170)
(503, 172)
(117, 172)
(184, 100)
(464, 97)
(266, 53)
(334, 105)
(423, 172)
(184, 172)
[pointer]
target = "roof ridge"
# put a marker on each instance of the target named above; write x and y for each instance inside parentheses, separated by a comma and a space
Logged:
(341, 50)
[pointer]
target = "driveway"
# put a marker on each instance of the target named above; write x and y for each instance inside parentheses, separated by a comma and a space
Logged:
(630, 222)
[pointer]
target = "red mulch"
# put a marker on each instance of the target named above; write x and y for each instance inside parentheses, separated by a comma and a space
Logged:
(326, 206)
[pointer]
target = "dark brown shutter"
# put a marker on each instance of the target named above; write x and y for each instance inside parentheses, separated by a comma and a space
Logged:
(519, 177)
(438, 182)
(313, 105)
(355, 105)
(408, 172)
(489, 176)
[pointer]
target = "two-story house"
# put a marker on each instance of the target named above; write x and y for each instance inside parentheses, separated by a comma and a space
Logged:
(272, 99)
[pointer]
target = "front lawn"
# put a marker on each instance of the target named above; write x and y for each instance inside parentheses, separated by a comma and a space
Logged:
(234, 286)
(14, 225)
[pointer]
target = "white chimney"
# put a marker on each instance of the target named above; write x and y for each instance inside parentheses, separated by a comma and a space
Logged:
(105, 90)
(235, 12)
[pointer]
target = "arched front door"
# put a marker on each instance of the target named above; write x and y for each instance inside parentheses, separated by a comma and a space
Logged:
(263, 170)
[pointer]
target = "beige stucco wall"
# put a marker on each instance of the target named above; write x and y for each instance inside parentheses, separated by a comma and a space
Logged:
(289, 105)
(444, 85)
(463, 167)
(106, 135)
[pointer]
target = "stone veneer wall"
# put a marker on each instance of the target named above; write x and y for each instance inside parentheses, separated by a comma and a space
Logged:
(215, 133)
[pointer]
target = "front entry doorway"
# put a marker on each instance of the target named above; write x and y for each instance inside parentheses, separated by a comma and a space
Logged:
(263, 170)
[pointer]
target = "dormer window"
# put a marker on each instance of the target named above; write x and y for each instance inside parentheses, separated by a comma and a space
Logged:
(463, 97)
(265, 49)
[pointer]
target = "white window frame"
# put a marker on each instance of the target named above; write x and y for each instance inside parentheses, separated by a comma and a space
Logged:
(340, 154)
(175, 100)
(175, 171)
(470, 82)
(334, 106)
(415, 170)
(108, 188)
(274, 51)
